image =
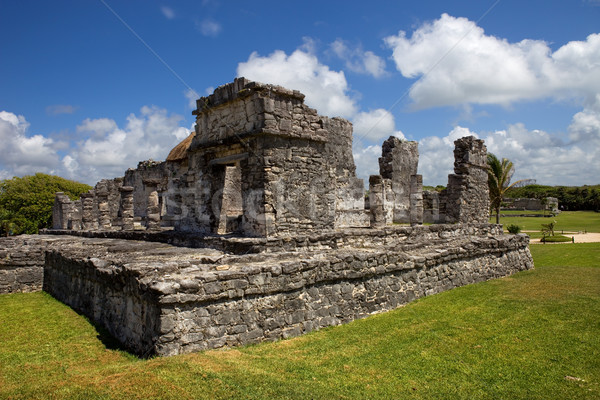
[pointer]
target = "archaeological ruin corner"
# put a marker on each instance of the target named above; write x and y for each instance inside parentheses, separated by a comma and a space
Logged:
(256, 228)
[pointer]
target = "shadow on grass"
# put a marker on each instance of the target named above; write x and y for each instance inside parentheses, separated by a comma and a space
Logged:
(108, 340)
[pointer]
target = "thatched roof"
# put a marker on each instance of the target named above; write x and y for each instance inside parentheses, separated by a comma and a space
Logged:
(179, 152)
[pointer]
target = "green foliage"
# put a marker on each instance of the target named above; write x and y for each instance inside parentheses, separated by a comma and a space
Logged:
(570, 198)
(499, 175)
(548, 229)
(514, 229)
(437, 188)
(533, 335)
(26, 203)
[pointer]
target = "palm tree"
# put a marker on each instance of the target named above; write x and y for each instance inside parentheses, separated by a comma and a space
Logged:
(499, 174)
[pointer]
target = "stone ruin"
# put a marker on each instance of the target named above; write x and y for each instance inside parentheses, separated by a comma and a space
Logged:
(256, 228)
(549, 204)
(259, 164)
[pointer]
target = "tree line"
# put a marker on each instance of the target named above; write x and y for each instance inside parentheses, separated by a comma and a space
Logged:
(570, 198)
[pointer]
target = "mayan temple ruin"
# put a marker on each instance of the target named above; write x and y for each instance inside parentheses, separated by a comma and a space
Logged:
(257, 228)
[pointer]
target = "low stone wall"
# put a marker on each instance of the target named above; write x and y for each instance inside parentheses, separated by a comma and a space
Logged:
(21, 264)
(160, 299)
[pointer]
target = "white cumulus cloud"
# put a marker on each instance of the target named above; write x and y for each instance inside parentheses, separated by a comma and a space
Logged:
(21, 153)
(375, 125)
(536, 154)
(436, 155)
(109, 150)
(191, 95)
(457, 63)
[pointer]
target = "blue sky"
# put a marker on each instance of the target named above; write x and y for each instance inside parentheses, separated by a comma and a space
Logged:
(89, 88)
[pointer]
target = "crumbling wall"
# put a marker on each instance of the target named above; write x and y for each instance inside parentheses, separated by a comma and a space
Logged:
(431, 207)
(399, 188)
(466, 198)
(294, 171)
(381, 201)
(159, 299)
(21, 264)
(399, 162)
(149, 176)
(95, 288)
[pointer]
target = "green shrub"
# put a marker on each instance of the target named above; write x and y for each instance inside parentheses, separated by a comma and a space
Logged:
(555, 239)
(514, 229)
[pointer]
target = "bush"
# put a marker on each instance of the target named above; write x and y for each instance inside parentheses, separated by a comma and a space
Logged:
(556, 239)
(514, 229)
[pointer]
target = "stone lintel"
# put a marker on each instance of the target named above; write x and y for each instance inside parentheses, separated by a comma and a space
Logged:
(229, 159)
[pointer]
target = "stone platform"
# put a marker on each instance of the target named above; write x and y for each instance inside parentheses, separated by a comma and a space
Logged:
(157, 298)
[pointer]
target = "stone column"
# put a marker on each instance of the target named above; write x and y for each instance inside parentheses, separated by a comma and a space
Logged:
(416, 199)
(104, 222)
(376, 201)
(467, 198)
(88, 221)
(75, 222)
(399, 162)
(61, 211)
(152, 206)
(126, 207)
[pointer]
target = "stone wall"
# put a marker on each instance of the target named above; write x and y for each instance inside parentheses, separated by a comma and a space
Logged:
(431, 207)
(156, 298)
(399, 163)
(21, 264)
(551, 204)
(22, 261)
(398, 191)
(466, 198)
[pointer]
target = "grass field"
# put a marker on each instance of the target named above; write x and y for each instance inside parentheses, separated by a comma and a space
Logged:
(528, 212)
(568, 221)
(534, 335)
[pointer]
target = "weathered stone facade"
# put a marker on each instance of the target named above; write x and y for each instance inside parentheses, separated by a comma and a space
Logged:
(22, 261)
(260, 163)
(255, 228)
(398, 164)
(21, 265)
(466, 198)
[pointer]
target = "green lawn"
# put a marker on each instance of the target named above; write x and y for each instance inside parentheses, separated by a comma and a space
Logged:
(572, 221)
(528, 212)
(534, 335)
